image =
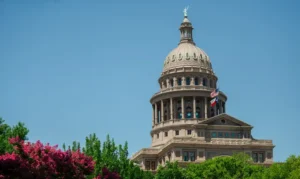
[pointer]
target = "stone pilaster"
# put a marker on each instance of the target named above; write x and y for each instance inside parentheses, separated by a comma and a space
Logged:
(205, 107)
(182, 108)
(155, 113)
(162, 110)
(194, 107)
(171, 108)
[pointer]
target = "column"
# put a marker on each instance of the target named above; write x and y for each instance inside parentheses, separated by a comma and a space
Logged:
(182, 108)
(168, 83)
(162, 110)
(205, 107)
(168, 111)
(194, 107)
(171, 108)
(183, 81)
(221, 107)
(192, 80)
(175, 81)
(201, 81)
(155, 113)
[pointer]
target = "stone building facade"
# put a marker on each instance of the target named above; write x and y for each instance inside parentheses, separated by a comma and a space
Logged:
(185, 128)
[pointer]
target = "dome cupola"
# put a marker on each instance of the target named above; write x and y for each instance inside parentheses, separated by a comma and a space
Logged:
(187, 54)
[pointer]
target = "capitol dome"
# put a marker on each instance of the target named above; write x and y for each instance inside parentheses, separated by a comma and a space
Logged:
(187, 54)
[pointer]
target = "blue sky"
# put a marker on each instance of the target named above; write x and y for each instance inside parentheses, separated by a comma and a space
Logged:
(71, 68)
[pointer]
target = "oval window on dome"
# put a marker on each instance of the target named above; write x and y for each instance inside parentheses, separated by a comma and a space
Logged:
(200, 56)
(173, 58)
(180, 55)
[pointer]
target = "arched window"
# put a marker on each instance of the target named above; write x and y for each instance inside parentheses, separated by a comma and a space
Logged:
(189, 112)
(188, 81)
(196, 81)
(171, 82)
(198, 112)
(179, 81)
(211, 83)
(179, 114)
(166, 115)
(204, 82)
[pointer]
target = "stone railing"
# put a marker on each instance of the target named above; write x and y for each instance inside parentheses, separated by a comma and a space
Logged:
(177, 122)
(215, 141)
(145, 150)
(180, 88)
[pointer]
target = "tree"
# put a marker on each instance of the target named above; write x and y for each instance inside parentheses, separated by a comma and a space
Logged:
(7, 132)
(35, 160)
(170, 171)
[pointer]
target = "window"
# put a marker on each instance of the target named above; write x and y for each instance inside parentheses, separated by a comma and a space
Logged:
(220, 134)
(189, 112)
(189, 132)
(153, 165)
(200, 134)
(226, 135)
(196, 81)
(198, 112)
(258, 157)
(179, 114)
(166, 134)
(172, 82)
(233, 135)
(176, 132)
(204, 82)
(189, 156)
(179, 81)
(192, 156)
(213, 134)
(185, 156)
(157, 136)
(147, 165)
(188, 81)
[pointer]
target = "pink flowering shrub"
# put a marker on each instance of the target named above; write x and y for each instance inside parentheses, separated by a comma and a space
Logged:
(38, 161)
(108, 175)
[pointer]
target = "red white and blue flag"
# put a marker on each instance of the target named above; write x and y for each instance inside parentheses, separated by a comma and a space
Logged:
(214, 93)
(213, 102)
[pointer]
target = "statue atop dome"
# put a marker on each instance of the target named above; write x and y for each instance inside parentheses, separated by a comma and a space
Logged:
(185, 11)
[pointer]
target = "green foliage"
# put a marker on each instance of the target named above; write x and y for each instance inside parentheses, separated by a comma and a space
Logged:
(112, 156)
(170, 171)
(7, 132)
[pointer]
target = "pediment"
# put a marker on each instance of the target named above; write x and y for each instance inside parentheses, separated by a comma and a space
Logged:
(224, 119)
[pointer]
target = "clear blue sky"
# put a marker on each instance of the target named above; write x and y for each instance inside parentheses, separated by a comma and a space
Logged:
(71, 68)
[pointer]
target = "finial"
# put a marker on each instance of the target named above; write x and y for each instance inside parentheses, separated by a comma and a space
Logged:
(185, 11)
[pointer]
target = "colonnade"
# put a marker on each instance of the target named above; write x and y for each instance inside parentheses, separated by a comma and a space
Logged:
(185, 108)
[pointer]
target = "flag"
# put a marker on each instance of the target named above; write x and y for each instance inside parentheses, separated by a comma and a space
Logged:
(213, 102)
(214, 93)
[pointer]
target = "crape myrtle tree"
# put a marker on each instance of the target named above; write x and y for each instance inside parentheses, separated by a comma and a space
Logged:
(7, 132)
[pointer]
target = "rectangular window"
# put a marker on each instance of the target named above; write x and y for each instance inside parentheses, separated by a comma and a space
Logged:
(189, 132)
(261, 158)
(232, 135)
(177, 132)
(153, 167)
(220, 134)
(254, 157)
(185, 156)
(213, 135)
(226, 135)
(157, 135)
(166, 134)
(147, 165)
(192, 156)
